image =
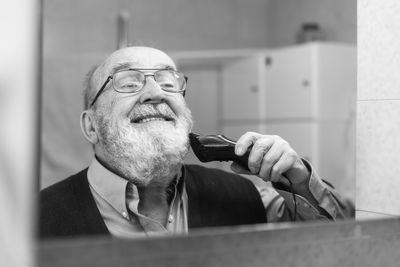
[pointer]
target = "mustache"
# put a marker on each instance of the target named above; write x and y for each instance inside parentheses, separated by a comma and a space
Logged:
(142, 111)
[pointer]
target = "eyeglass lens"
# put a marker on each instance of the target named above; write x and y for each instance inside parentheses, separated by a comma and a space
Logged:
(133, 80)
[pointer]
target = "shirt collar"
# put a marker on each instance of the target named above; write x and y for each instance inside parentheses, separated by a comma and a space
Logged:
(110, 186)
(113, 188)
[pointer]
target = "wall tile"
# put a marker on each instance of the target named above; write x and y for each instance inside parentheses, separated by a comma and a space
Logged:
(379, 56)
(378, 160)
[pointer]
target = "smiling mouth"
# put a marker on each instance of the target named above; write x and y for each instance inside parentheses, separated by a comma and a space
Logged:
(151, 118)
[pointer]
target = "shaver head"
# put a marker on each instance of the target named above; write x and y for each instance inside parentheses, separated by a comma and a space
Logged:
(212, 147)
(197, 147)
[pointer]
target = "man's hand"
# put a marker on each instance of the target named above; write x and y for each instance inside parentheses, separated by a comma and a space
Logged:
(272, 159)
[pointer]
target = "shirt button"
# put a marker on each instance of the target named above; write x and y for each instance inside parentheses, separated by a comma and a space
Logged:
(170, 218)
(125, 215)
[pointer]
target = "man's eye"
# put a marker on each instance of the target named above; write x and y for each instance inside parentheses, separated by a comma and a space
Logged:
(130, 85)
(167, 85)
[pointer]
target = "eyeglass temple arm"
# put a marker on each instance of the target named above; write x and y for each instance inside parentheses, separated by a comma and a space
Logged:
(101, 90)
(184, 92)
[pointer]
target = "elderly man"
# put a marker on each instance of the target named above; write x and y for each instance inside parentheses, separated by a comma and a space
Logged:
(137, 120)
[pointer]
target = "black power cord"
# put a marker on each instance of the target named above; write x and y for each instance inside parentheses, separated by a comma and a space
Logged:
(284, 187)
(294, 200)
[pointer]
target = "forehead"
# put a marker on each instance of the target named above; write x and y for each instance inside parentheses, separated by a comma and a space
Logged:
(136, 57)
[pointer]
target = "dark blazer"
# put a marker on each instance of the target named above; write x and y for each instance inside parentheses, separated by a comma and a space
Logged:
(215, 198)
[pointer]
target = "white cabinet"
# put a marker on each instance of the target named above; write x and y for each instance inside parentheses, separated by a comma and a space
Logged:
(265, 82)
(288, 83)
(306, 95)
(316, 80)
(241, 89)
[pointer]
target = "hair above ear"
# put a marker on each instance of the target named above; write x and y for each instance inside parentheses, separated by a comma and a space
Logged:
(87, 87)
(87, 126)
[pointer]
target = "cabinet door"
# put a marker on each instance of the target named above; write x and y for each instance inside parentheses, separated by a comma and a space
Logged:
(337, 155)
(337, 67)
(289, 83)
(240, 90)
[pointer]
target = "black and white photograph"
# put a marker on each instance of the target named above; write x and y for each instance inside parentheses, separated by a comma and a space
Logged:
(199, 133)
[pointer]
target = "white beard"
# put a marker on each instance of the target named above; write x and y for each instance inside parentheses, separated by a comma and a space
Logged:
(145, 152)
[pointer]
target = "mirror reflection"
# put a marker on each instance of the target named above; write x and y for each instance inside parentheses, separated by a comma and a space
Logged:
(121, 95)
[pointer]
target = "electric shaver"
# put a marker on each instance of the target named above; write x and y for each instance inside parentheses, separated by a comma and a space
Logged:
(217, 148)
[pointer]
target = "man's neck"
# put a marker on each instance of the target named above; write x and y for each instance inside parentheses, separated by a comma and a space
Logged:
(153, 203)
(155, 197)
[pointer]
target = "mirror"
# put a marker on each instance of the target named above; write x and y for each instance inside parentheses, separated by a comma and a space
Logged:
(219, 45)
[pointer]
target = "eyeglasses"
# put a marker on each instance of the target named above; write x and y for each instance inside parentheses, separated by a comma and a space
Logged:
(134, 80)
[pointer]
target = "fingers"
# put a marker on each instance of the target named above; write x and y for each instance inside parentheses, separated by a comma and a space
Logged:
(266, 152)
(270, 156)
(269, 160)
(245, 141)
(278, 160)
(285, 163)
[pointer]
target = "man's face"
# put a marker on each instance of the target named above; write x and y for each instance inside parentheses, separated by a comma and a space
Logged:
(143, 136)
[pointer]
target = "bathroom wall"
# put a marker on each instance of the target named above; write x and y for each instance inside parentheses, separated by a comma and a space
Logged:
(89, 26)
(378, 104)
(337, 19)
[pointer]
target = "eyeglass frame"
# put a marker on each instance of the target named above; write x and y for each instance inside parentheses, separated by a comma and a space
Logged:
(110, 77)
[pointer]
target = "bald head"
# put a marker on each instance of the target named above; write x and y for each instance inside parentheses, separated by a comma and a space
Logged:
(130, 57)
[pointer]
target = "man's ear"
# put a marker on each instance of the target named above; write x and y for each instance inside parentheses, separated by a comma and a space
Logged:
(87, 127)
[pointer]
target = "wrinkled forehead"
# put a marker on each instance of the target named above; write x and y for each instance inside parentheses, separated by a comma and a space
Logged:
(133, 57)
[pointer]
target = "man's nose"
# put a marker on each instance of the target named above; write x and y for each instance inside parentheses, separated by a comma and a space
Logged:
(152, 92)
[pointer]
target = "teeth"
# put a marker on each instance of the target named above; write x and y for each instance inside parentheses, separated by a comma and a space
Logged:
(151, 119)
